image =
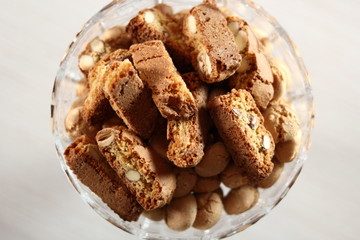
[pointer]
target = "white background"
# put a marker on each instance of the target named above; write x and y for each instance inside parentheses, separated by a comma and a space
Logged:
(36, 200)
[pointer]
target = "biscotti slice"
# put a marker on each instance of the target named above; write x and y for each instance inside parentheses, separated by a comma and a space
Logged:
(117, 37)
(94, 50)
(90, 167)
(240, 125)
(157, 24)
(169, 91)
(146, 175)
(130, 98)
(255, 76)
(215, 54)
(97, 107)
(245, 39)
(186, 136)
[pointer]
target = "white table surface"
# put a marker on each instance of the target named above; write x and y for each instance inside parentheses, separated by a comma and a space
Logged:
(36, 200)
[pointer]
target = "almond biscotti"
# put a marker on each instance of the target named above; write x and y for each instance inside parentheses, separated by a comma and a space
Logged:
(146, 174)
(240, 125)
(214, 58)
(85, 160)
(187, 136)
(130, 98)
(169, 91)
(96, 106)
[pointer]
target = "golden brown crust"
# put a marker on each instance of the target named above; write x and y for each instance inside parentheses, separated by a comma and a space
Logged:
(181, 213)
(241, 199)
(209, 209)
(255, 76)
(97, 107)
(240, 124)
(157, 24)
(146, 175)
(234, 176)
(206, 184)
(215, 59)
(169, 91)
(85, 160)
(130, 98)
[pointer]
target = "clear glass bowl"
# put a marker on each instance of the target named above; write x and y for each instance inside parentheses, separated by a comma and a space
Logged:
(119, 12)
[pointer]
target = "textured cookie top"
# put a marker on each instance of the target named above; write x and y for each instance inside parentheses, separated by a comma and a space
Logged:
(170, 94)
(90, 167)
(216, 55)
(240, 125)
(146, 175)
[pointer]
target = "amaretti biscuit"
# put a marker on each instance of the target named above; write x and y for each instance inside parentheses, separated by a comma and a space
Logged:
(206, 184)
(282, 78)
(241, 199)
(146, 175)
(156, 215)
(209, 209)
(90, 167)
(181, 213)
(186, 136)
(130, 98)
(274, 176)
(245, 39)
(169, 91)
(240, 125)
(158, 24)
(215, 160)
(185, 181)
(255, 76)
(94, 50)
(214, 58)
(281, 121)
(234, 176)
(97, 107)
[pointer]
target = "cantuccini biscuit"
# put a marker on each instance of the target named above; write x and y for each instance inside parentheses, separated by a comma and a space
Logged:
(281, 121)
(94, 50)
(240, 125)
(157, 24)
(97, 107)
(245, 39)
(215, 58)
(90, 167)
(169, 91)
(130, 98)
(75, 125)
(187, 136)
(255, 76)
(117, 37)
(266, 47)
(146, 175)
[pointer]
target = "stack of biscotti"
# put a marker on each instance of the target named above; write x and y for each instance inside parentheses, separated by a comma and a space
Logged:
(176, 107)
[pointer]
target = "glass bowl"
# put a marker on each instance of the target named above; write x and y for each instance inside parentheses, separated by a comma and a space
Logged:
(119, 12)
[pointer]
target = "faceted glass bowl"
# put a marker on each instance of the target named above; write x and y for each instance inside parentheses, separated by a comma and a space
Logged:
(119, 13)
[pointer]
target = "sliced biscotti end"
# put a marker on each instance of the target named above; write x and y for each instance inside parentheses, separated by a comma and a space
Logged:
(255, 76)
(240, 125)
(146, 175)
(85, 160)
(170, 94)
(215, 54)
(130, 98)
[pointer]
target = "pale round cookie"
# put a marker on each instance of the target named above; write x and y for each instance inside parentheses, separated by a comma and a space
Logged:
(241, 199)
(209, 209)
(180, 214)
(234, 176)
(274, 176)
(155, 215)
(185, 181)
(207, 184)
(215, 160)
